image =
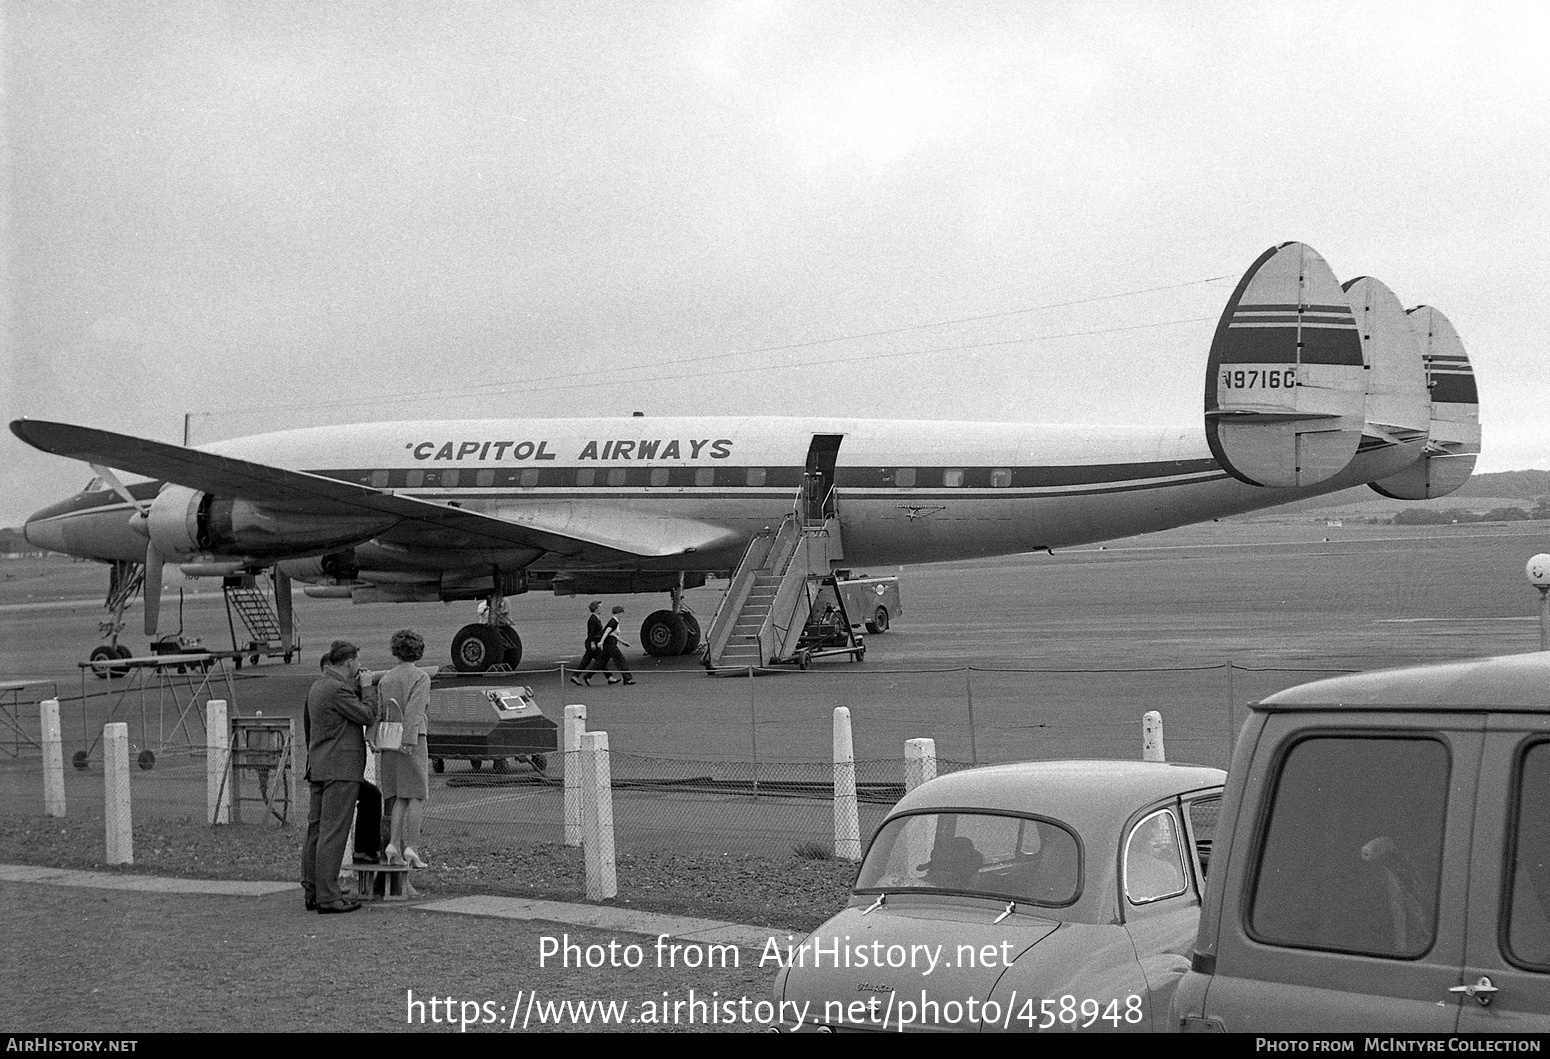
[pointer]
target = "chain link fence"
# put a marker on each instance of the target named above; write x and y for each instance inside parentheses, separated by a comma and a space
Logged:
(736, 764)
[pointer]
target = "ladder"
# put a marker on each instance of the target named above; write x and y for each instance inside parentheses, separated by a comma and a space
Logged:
(768, 600)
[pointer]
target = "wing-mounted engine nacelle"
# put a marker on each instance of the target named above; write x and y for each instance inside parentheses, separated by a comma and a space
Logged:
(333, 568)
(186, 522)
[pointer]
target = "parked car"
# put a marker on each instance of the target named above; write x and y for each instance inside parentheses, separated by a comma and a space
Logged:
(1051, 895)
(1383, 858)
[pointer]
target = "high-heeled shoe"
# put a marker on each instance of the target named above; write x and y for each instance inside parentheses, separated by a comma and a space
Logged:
(392, 854)
(412, 858)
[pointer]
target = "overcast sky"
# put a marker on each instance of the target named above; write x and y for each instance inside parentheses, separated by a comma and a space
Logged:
(277, 214)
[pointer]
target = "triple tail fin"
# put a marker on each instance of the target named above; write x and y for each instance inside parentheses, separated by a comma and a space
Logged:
(1285, 398)
(1454, 443)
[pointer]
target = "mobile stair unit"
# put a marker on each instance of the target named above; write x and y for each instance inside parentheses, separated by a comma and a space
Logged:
(765, 612)
(270, 627)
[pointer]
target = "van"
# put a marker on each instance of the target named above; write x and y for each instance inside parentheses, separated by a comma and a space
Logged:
(1382, 861)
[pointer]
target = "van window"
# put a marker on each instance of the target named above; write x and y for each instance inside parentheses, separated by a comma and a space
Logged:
(905, 477)
(952, 477)
(1528, 924)
(1351, 858)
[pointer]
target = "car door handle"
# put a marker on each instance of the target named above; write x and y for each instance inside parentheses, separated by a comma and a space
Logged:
(1481, 990)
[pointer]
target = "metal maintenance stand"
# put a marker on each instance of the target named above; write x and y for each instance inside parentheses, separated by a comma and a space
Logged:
(184, 680)
(11, 715)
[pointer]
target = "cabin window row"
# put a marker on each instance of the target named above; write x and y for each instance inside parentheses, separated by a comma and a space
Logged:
(669, 477)
(948, 477)
(582, 477)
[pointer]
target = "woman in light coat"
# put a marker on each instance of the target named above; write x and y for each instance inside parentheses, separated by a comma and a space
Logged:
(405, 773)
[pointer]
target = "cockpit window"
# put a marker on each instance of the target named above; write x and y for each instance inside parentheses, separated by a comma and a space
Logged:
(1016, 858)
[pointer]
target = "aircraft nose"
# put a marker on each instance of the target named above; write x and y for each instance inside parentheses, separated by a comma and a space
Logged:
(41, 531)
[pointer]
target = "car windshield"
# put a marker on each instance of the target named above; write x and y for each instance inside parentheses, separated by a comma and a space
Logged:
(1017, 858)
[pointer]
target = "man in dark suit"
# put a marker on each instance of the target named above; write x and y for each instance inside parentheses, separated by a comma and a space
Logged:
(336, 765)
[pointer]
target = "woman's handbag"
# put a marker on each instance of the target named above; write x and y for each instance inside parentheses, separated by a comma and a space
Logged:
(389, 735)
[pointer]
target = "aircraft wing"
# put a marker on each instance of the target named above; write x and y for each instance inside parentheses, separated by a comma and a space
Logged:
(611, 538)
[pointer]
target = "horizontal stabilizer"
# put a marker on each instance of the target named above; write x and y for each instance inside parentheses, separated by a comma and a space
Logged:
(1454, 443)
(1285, 390)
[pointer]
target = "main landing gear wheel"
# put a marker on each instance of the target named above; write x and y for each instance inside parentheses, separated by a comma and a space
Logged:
(879, 622)
(513, 653)
(106, 653)
(692, 626)
(477, 647)
(664, 633)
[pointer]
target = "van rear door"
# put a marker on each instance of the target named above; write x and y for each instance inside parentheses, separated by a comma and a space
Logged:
(1507, 961)
(1344, 908)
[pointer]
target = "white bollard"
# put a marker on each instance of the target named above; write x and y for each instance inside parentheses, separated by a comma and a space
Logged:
(575, 725)
(598, 811)
(919, 762)
(115, 790)
(847, 822)
(53, 758)
(217, 763)
(1152, 737)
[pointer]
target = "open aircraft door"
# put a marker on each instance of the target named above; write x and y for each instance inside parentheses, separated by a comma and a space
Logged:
(818, 477)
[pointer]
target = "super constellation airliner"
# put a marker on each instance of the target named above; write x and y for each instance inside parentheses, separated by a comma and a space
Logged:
(1310, 387)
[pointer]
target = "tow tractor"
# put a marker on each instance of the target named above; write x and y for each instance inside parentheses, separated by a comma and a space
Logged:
(828, 630)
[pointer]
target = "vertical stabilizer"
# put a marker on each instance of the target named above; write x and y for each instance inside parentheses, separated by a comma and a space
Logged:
(1285, 394)
(1449, 457)
(1398, 403)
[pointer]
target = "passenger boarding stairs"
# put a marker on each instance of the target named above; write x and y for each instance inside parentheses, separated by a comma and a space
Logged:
(270, 630)
(768, 601)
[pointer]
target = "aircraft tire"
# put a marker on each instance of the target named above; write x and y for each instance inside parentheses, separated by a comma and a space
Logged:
(663, 633)
(476, 648)
(692, 626)
(512, 656)
(103, 653)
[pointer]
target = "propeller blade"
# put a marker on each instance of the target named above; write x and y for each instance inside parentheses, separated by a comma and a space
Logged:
(118, 487)
(153, 564)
